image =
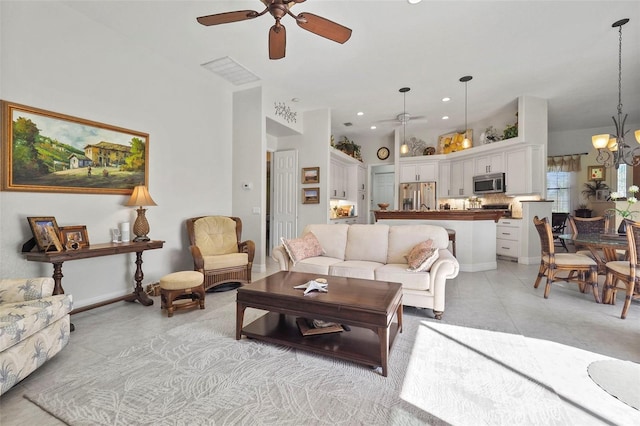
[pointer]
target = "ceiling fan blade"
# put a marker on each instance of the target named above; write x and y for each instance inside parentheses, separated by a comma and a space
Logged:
(323, 27)
(277, 42)
(225, 18)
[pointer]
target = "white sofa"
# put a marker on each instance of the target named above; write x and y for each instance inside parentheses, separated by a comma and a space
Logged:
(34, 326)
(377, 252)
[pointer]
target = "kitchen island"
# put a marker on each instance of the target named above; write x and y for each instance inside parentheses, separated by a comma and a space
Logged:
(475, 232)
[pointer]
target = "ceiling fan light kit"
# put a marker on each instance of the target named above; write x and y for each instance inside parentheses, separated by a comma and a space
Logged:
(277, 33)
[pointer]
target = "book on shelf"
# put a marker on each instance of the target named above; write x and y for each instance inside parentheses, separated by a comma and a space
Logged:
(309, 327)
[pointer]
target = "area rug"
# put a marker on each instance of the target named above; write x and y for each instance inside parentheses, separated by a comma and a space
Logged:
(618, 378)
(198, 374)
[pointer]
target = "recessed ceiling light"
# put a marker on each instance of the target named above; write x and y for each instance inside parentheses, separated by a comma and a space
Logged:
(446, 117)
(373, 127)
(414, 1)
(360, 113)
(446, 99)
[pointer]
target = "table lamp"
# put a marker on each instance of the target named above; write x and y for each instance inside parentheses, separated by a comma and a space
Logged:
(140, 197)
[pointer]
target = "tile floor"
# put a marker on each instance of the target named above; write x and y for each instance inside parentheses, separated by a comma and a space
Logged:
(500, 300)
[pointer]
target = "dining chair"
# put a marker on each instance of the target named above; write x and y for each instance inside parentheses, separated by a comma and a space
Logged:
(623, 274)
(551, 263)
(558, 225)
(592, 225)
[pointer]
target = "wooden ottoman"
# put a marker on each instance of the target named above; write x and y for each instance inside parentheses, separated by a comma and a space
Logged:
(182, 285)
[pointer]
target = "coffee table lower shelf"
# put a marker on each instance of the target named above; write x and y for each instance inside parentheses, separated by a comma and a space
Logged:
(361, 345)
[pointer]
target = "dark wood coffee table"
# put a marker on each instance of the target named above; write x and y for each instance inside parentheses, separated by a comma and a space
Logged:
(367, 307)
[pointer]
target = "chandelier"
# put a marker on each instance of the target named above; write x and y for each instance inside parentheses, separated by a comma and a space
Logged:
(612, 149)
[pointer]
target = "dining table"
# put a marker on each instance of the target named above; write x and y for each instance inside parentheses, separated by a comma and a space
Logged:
(603, 247)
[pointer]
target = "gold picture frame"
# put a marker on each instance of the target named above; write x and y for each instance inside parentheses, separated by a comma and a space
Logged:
(597, 173)
(62, 153)
(311, 196)
(74, 237)
(310, 175)
(46, 233)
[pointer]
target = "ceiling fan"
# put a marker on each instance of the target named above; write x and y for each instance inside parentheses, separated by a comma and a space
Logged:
(277, 34)
(404, 117)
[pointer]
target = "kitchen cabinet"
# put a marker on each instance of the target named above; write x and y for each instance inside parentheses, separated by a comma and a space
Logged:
(419, 171)
(462, 172)
(361, 202)
(508, 237)
(338, 179)
(444, 179)
(490, 163)
(524, 170)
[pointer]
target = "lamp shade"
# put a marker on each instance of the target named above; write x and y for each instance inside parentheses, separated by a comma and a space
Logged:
(600, 141)
(637, 133)
(404, 148)
(140, 197)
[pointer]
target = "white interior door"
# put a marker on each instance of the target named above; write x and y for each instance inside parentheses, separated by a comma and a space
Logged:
(284, 196)
(383, 189)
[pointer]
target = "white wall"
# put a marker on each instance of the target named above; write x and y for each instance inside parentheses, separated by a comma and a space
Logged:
(249, 167)
(57, 59)
(313, 151)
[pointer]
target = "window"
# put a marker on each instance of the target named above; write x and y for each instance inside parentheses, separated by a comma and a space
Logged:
(559, 190)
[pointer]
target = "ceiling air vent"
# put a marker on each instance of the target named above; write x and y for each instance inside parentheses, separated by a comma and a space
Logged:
(231, 71)
(348, 124)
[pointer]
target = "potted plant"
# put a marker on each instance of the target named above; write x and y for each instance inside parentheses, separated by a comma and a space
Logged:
(583, 211)
(591, 188)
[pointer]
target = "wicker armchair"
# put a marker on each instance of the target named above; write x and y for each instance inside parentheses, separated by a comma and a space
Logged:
(552, 263)
(218, 251)
(623, 274)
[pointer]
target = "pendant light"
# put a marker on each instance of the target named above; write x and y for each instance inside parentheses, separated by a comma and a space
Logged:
(404, 148)
(612, 149)
(466, 143)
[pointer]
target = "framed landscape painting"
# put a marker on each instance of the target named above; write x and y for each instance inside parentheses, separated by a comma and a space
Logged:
(44, 151)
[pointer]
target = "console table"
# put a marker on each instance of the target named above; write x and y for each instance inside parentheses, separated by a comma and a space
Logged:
(98, 250)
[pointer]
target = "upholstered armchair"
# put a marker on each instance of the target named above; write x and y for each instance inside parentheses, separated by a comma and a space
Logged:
(218, 251)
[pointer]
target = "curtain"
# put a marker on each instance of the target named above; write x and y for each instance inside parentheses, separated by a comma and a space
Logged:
(564, 163)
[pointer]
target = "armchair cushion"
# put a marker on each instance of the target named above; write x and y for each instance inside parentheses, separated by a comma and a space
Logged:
(216, 235)
(225, 261)
(20, 290)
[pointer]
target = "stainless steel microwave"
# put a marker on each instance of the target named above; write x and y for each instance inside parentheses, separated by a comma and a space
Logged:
(488, 184)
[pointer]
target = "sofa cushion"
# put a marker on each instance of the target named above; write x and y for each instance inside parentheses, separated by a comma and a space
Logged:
(333, 238)
(20, 289)
(301, 248)
(315, 265)
(355, 269)
(20, 320)
(366, 242)
(403, 238)
(397, 272)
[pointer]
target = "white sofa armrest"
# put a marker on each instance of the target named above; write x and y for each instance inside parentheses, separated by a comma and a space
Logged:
(444, 268)
(23, 289)
(280, 255)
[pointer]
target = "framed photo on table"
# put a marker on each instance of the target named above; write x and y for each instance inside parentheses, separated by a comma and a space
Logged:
(597, 173)
(46, 233)
(74, 237)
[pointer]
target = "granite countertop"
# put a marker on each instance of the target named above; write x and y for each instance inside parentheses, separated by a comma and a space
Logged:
(494, 215)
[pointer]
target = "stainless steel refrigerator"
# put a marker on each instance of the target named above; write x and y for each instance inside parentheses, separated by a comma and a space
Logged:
(418, 196)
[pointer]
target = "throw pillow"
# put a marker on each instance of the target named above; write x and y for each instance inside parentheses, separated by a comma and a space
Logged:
(429, 261)
(422, 256)
(302, 248)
